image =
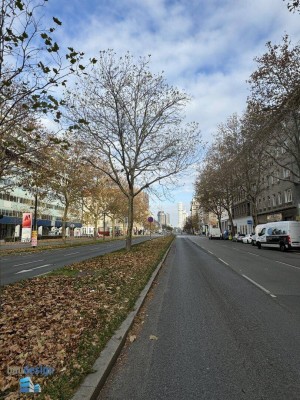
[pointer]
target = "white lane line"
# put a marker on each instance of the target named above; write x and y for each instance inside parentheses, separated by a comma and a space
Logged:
(259, 286)
(253, 254)
(23, 271)
(289, 265)
(223, 261)
(32, 269)
(45, 273)
(210, 252)
(70, 254)
(29, 262)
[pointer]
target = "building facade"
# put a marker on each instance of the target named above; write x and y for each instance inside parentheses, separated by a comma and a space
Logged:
(46, 214)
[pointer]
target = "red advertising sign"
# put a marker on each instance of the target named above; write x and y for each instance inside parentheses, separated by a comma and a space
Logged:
(27, 220)
(26, 227)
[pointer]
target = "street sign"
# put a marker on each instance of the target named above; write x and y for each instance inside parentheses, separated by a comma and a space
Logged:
(150, 219)
(249, 222)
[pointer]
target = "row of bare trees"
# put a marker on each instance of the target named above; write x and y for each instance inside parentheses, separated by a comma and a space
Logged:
(62, 174)
(262, 142)
(119, 123)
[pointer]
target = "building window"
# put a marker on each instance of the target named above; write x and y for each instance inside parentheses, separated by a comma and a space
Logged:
(288, 197)
(286, 173)
(279, 197)
(269, 201)
(274, 200)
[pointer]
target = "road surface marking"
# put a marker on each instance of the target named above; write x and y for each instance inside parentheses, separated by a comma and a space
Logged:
(45, 273)
(32, 269)
(29, 262)
(259, 286)
(70, 254)
(223, 261)
(289, 265)
(256, 255)
(210, 252)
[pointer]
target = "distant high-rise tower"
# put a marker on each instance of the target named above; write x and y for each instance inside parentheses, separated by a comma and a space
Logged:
(180, 215)
(161, 217)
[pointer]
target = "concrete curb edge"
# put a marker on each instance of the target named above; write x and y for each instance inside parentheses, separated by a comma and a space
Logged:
(93, 383)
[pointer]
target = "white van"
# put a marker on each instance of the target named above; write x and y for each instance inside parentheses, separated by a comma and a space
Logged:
(214, 232)
(284, 235)
(257, 231)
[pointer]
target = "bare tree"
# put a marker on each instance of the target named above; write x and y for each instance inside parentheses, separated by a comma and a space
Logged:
(275, 95)
(66, 178)
(32, 67)
(132, 120)
(293, 5)
(209, 193)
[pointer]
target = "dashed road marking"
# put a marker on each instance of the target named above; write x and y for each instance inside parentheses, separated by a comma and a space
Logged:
(289, 265)
(29, 262)
(259, 286)
(32, 269)
(224, 262)
(253, 254)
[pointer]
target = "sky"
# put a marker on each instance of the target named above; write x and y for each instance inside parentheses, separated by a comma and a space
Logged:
(205, 47)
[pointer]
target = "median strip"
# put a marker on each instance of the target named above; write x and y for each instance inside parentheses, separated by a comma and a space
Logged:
(64, 319)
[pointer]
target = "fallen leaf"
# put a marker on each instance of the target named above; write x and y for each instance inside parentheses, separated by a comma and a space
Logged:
(153, 337)
(132, 338)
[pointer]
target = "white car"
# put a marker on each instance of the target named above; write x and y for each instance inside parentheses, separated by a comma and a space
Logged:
(247, 238)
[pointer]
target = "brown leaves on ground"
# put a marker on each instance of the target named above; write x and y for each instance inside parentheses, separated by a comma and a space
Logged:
(44, 320)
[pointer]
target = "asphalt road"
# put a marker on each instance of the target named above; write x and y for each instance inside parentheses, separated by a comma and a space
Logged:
(208, 332)
(14, 268)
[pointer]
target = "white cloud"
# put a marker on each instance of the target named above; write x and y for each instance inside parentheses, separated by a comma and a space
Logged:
(204, 47)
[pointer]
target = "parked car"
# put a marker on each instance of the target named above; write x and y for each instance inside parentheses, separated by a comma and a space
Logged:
(247, 238)
(234, 237)
(240, 237)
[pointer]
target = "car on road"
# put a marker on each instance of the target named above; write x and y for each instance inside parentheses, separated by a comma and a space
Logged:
(247, 238)
(238, 237)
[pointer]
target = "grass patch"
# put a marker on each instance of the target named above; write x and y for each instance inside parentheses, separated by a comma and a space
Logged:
(64, 319)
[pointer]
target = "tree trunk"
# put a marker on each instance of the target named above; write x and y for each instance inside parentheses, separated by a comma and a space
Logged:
(113, 233)
(95, 227)
(254, 215)
(130, 222)
(64, 222)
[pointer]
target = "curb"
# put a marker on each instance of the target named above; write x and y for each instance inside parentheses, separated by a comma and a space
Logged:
(93, 383)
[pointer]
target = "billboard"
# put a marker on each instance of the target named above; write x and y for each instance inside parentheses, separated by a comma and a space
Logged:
(26, 227)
